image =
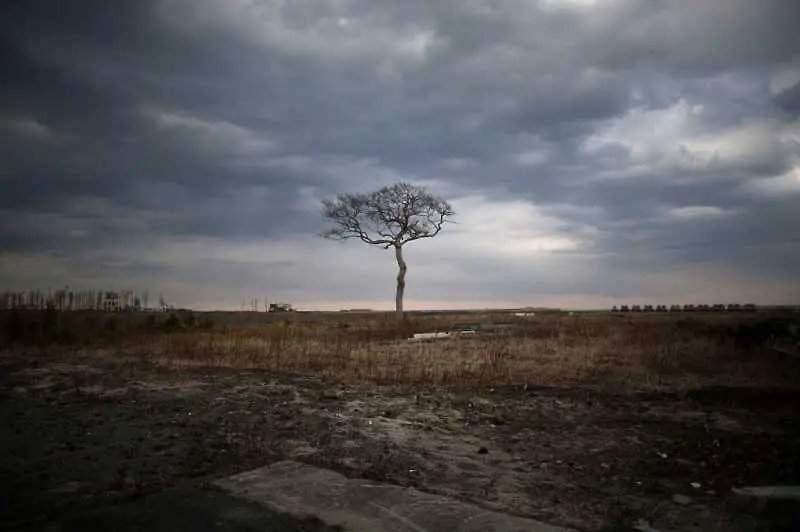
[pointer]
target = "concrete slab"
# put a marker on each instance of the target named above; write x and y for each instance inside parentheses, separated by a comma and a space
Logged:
(187, 510)
(770, 492)
(364, 506)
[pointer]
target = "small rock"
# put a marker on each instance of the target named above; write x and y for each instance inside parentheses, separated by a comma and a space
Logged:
(483, 450)
(69, 487)
(643, 526)
(683, 500)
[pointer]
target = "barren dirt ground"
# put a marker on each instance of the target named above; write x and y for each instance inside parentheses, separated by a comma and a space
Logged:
(77, 434)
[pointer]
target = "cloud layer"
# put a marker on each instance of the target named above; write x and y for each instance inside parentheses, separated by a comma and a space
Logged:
(597, 152)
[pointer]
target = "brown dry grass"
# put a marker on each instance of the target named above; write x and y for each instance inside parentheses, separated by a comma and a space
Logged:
(627, 353)
(126, 405)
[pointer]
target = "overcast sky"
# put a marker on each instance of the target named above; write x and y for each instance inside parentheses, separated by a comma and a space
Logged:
(596, 152)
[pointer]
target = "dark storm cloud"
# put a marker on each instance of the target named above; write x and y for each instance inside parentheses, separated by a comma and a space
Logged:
(91, 99)
(698, 37)
(789, 100)
(123, 124)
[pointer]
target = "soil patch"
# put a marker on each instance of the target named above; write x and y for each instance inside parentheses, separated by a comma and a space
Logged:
(79, 437)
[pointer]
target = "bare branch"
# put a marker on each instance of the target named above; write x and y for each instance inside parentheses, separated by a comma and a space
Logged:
(389, 217)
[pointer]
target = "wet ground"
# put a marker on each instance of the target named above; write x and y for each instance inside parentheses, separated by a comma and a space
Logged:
(81, 435)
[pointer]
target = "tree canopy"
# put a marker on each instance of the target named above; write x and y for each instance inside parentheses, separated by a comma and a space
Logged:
(390, 216)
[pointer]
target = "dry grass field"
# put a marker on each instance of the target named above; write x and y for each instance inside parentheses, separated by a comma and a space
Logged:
(597, 422)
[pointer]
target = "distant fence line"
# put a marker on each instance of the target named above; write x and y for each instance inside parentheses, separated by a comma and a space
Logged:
(733, 307)
(66, 300)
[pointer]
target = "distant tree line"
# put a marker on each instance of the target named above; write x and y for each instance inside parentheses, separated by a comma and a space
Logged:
(66, 300)
(732, 307)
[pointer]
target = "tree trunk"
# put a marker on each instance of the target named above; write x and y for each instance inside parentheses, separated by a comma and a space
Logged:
(401, 281)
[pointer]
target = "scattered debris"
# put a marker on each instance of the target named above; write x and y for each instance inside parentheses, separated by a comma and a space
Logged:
(429, 336)
(441, 335)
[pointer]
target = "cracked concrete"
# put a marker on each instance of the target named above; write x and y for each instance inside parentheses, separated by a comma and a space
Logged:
(363, 506)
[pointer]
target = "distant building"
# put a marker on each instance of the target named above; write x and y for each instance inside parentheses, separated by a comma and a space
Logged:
(280, 307)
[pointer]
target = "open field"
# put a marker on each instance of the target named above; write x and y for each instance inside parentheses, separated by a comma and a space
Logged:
(591, 422)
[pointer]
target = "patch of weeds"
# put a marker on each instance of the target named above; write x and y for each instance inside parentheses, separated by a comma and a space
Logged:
(173, 322)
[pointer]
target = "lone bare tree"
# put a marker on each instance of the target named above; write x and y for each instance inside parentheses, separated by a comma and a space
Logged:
(390, 217)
